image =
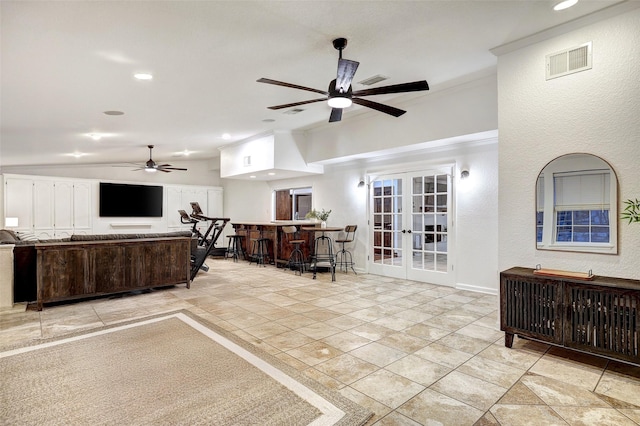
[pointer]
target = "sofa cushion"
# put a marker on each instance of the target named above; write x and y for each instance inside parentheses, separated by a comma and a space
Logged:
(7, 237)
(27, 236)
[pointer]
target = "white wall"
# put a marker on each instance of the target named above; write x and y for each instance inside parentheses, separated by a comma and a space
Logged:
(464, 109)
(201, 172)
(594, 111)
(337, 189)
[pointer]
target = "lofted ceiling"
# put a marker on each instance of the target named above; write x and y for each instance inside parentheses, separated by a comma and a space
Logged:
(64, 63)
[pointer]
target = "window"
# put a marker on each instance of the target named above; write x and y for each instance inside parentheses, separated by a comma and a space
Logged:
(292, 204)
(582, 206)
(576, 205)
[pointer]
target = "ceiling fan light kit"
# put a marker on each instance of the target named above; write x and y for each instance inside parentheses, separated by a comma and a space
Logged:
(341, 95)
(151, 166)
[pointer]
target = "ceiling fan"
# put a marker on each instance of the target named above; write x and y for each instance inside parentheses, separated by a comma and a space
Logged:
(340, 94)
(151, 166)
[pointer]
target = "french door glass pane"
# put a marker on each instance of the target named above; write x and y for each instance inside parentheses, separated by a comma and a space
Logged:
(387, 218)
(429, 222)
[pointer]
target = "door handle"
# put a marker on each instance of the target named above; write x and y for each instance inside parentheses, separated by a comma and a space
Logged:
(409, 231)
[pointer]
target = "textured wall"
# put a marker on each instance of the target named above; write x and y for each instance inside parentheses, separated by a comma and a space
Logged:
(595, 111)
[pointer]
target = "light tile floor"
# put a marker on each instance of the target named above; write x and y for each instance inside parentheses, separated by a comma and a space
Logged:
(411, 352)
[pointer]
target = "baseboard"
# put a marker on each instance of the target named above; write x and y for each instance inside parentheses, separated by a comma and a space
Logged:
(477, 289)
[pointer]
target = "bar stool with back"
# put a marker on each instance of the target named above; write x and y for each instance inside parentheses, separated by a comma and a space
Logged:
(344, 259)
(296, 258)
(260, 249)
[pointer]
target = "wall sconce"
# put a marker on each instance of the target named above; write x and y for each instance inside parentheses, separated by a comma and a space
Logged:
(361, 183)
(10, 222)
(464, 174)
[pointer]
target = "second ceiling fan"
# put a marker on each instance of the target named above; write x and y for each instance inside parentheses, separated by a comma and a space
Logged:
(340, 94)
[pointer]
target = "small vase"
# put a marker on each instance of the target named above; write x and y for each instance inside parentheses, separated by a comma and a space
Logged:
(323, 224)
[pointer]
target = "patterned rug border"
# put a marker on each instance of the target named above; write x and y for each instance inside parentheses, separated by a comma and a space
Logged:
(354, 414)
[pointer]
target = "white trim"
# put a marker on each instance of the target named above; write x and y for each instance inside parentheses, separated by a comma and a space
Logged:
(477, 289)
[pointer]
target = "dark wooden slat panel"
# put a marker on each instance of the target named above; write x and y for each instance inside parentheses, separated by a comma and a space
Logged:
(79, 269)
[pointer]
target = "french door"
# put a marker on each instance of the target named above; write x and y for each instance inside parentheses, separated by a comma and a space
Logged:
(411, 219)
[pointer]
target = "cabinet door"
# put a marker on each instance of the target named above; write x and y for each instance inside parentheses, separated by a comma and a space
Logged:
(43, 205)
(63, 205)
(532, 307)
(174, 203)
(214, 201)
(198, 195)
(604, 320)
(81, 206)
(18, 198)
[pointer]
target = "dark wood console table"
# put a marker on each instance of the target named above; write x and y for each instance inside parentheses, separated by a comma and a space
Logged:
(72, 270)
(599, 316)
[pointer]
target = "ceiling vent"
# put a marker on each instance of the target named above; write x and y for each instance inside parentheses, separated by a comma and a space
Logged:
(373, 80)
(568, 61)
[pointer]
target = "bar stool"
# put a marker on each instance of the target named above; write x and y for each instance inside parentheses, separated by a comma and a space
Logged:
(234, 247)
(323, 256)
(260, 249)
(296, 258)
(343, 257)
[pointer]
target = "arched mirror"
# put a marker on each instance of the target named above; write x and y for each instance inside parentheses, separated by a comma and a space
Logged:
(576, 205)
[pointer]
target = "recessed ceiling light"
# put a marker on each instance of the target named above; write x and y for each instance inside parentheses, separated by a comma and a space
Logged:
(226, 136)
(184, 153)
(95, 136)
(565, 4)
(252, 176)
(271, 173)
(77, 154)
(143, 76)
(114, 113)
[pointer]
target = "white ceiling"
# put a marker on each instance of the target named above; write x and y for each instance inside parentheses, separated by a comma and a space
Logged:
(66, 62)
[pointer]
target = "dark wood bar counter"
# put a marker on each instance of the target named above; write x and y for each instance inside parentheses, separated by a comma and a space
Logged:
(279, 249)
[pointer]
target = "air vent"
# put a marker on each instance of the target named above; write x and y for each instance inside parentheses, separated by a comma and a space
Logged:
(373, 80)
(568, 61)
(294, 111)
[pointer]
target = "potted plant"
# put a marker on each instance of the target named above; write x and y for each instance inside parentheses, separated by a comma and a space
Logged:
(322, 216)
(632, 211)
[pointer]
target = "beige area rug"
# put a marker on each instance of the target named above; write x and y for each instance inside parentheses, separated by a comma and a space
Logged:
(171, 369)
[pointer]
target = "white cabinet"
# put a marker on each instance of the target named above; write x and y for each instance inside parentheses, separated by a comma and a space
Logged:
(82, 207)
(49, 208)
(63, 208)
(214, 202)
(181, 197)
(72, 208)
(18, 201)
(43, 209)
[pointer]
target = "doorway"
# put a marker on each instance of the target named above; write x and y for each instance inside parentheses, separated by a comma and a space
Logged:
(411, 227)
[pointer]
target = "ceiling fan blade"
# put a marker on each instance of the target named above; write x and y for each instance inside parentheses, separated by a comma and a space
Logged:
(296, 104)
(379, 107)
(415, 86)
(171, 168)
(164, 170)
(127, 165)
(336, 115)
(346, 70)
(293, 86)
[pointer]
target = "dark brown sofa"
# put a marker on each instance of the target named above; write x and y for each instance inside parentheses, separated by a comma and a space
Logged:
(122, 246)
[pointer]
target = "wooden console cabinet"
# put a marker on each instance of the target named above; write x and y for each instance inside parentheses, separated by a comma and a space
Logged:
(72, 270)
(598, 316)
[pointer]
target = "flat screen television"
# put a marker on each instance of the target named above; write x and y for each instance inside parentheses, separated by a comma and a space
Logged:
(126, 200)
